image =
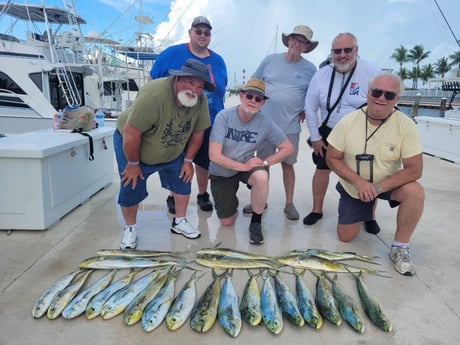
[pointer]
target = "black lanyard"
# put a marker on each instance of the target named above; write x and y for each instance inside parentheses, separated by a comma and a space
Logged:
(375, 130)
(331, 84)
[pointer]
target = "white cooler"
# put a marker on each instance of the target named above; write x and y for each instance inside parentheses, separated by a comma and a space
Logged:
(45, 174)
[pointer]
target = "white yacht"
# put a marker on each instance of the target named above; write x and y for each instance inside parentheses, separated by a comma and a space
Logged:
(50, 70)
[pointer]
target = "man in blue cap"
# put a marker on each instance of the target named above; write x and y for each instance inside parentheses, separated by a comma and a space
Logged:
(173, 57)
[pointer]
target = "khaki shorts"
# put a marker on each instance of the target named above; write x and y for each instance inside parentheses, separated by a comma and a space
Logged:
(224, 191)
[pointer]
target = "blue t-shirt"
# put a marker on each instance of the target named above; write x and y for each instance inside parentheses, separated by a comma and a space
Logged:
(174, 57)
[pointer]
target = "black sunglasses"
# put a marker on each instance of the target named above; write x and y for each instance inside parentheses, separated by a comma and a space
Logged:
(389, 95)
(339, 50)
(199, 32)
(250, 96)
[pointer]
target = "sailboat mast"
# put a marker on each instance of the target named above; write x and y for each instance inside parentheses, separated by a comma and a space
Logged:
(445, 19)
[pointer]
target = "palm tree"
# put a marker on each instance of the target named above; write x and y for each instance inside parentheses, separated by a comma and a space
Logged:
(403, 74)
(400, 55)
(414, 75)
(442, 67)
(427, 72)
(455, 57)
(417, 54)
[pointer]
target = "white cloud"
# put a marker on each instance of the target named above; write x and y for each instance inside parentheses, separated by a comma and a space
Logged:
(244, 31)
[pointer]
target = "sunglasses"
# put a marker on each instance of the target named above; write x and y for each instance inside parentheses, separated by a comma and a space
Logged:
(339, 50)
(389, 95)
(301, 41)
(250, 96)
(199, 32)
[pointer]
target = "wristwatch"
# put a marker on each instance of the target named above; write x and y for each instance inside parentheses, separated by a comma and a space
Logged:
(265, 164)
(377, 188)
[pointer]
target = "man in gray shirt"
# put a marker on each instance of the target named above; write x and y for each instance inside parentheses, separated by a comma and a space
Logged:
(287, 76)
(236, 136)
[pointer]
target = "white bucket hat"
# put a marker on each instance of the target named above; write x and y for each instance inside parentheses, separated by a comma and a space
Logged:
(304, 31)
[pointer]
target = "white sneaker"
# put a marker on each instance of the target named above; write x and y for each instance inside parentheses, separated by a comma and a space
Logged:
(128, 238)
(184, 228)
(401, 258)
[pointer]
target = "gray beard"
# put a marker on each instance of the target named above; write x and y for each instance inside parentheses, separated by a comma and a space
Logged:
(185, 100)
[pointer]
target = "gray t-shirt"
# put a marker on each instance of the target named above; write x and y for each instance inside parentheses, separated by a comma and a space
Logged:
(241, 140)
(286, 84)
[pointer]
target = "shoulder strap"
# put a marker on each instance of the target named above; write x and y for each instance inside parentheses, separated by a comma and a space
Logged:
(90, 139)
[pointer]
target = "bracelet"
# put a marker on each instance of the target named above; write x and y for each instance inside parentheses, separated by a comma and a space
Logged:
(133, 163)
(188, 160)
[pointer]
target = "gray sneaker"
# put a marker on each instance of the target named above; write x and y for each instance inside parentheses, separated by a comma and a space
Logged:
(128, 238)
(185, 228)
(248, 208)
(291, 212)
(401, 258)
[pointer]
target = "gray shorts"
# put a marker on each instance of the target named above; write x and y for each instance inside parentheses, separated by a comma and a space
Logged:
(353, 210)
(268, 149)
(224, 190)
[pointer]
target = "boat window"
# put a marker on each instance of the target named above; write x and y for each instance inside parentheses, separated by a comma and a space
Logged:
(8, 84)
(37, 79)
(5, 37)
(132, 85)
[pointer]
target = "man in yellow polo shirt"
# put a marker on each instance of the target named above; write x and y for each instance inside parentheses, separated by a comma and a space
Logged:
(377, 153)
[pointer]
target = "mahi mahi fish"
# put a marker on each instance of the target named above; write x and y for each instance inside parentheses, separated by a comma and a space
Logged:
(155, 311)
(372, 306)
(287, 302)
(228, 262)
(133, 312)
(138, 253)
(333, 255)
(205, 312)
(118, 302)
(227, 252)
(65, 296)
(350, 312)
(110, 262)
(228, 311)
(319, 264)
(306, 302)
(325, 301)
(96, 303)
(183, 304)
(77, 305)
(271, 312)
(43, 302)
(250, 301)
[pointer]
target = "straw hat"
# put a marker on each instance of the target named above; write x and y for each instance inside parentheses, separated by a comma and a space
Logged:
(255, 86)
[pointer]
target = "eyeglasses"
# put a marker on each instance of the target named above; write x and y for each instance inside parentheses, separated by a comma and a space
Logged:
(389, 95)
(300, 41)
(199, 32)
(339, 50)
(250, 96)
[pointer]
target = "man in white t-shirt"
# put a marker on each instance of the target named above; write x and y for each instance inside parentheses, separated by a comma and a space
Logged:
(336, 89)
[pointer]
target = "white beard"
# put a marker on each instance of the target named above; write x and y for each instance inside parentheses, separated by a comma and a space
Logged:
(185, 100)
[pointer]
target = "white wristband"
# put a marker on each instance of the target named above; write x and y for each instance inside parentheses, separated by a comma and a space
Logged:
(133, 163)
(188, 160)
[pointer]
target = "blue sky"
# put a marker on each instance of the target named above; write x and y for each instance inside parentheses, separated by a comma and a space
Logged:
(244, 31)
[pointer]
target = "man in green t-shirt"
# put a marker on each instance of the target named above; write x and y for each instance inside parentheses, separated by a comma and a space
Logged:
(161, 132)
